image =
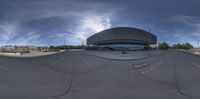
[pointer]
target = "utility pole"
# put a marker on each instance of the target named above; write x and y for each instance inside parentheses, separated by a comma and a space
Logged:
(83, 44)
(198, 46)
(157, 45)
(65, 44)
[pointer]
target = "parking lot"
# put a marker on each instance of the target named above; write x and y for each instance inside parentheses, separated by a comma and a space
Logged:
(75, 75)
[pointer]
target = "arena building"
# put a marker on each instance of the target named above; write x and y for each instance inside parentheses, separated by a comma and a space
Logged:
(122, 38)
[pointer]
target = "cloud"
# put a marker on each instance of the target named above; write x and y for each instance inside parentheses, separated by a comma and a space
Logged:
(188, 20)
(75, 20)
(197, 31)
(7, 32)
(192, 21)
(28, 38)
(95, 23)
(196, 34)
(88, 25)
(50, 17)
(177, 35)
(92, 24)
(32, 36)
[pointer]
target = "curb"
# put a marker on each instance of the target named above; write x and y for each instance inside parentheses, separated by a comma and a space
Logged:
(125, 59)
(188, 52)
(22, 57)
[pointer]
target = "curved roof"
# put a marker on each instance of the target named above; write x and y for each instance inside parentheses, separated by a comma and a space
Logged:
(122, 35)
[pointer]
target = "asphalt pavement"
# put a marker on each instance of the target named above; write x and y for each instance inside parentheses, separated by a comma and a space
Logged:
(75, 75)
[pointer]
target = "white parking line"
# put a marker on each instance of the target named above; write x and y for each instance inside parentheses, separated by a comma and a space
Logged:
(54, 63)
(152, 68)
(4, 68)
(197, 65)
(85, 61)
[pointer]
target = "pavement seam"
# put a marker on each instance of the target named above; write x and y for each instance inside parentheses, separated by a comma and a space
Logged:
(66, 90)
(92, 70)
(54, 63)
(85, 61)
(176, 80)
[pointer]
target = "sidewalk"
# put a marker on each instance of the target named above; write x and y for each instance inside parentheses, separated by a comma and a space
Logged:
(119, 56)
(192, 52)
(31, 54)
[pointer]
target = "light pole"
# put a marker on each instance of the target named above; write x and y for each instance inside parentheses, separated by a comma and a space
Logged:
(157, 45)
(83, 46)
(198, 47)
(149, 41)
(65, 44)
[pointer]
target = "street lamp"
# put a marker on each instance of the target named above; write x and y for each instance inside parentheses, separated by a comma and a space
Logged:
(149, 41)
(198, 47)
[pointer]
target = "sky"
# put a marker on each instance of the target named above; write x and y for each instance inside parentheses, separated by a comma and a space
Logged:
(54, 22)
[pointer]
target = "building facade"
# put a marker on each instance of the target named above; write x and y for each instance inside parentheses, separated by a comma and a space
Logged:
(122, 38)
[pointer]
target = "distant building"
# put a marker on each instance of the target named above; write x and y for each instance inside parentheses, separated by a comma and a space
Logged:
(22, 48)
(11, 48)
(122, 38)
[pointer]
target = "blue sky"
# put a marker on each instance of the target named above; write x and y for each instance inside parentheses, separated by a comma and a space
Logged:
(43, 22)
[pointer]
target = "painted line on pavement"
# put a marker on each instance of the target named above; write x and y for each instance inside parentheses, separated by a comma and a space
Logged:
(54, 63)
(4, 68)
(152, 68)
(85, 61)
(197, 65)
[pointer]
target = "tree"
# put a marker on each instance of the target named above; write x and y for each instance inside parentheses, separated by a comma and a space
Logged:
(186, 46)
(177, 46)
(51, 47)
(163, 45)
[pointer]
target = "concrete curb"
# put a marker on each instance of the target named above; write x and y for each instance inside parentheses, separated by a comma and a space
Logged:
(12, 56)
(189, 53)
(125, 59)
